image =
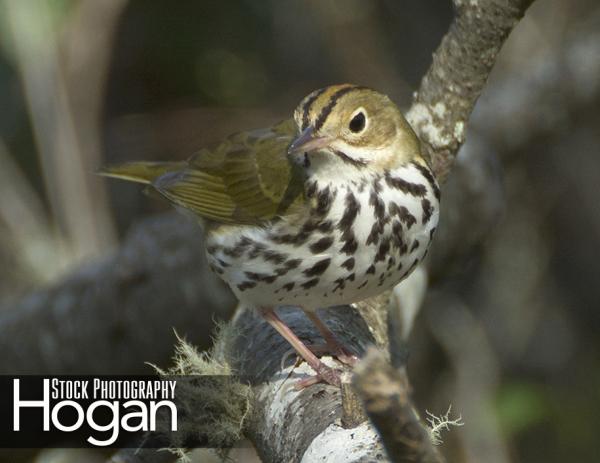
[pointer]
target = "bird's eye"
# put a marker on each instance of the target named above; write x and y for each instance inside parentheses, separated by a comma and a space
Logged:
(357, 123)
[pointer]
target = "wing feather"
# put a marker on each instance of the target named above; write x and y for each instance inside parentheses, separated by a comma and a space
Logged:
(232, 185)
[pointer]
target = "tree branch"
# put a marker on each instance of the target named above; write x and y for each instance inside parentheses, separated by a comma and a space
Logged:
(386, 395)
(289, 425)
(439, 114)
(113, 315)
(461, 66)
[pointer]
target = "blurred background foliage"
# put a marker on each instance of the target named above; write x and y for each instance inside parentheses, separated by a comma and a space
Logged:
(510, 334)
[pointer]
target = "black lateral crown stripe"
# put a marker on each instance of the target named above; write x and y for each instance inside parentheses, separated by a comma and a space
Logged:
(332, 102)
(306, 109)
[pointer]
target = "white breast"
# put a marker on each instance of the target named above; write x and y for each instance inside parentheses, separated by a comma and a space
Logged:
(331, 264)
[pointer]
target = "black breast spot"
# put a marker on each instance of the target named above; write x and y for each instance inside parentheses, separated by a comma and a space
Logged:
(378, 205)
(383, 250)
(318, 268)
(321, 245)
(274, 256)
(293, 263)
(427, 210)
(348, 264)
(325, 198)
(350, 245)
(246, 285)
(352, 210)
(403, 214)
(289, 286)
(413, 189)
(310, 283)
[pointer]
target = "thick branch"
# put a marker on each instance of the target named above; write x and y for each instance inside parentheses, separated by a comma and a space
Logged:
(116, 314)
(289, 425)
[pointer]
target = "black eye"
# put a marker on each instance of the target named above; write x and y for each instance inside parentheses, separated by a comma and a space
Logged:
(357, 124)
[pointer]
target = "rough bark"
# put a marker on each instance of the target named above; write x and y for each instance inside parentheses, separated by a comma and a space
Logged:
(290, 425)
(461, 66)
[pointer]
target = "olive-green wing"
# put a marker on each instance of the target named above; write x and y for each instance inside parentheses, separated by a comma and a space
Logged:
(141, 172)
(245, 180)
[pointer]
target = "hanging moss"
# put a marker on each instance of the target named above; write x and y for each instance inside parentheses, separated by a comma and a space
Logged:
(212, 403)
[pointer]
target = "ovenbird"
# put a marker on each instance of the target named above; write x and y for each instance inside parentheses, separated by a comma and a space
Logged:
(328, 208)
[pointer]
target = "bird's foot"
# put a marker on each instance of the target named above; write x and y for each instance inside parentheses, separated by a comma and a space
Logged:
(337, 351)
(324, 374)
(345, 356)
(332, 345)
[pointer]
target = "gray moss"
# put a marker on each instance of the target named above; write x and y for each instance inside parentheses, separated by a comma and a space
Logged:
(213, 405)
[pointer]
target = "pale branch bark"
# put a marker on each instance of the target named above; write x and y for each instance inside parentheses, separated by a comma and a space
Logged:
(461, 66)
(288, 425)
(113, 315)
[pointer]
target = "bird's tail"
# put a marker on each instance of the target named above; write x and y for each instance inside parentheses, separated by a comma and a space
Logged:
(140, 172)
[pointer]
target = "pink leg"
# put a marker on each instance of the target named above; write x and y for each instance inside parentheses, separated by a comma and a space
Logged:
(335, 347)
(323, 371)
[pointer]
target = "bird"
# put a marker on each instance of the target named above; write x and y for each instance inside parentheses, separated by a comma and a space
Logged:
(329, 207)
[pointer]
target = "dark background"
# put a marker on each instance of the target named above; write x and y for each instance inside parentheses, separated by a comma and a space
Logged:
(509, 335)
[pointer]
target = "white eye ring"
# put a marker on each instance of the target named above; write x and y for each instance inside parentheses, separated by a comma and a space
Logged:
(358, 121)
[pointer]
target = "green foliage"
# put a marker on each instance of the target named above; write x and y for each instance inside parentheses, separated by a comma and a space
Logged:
(520, 406)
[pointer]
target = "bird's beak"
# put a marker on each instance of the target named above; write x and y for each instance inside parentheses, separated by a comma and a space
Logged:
(307, 142)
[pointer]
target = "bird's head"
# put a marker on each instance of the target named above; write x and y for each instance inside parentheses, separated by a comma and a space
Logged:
(343, 128)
